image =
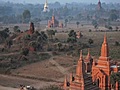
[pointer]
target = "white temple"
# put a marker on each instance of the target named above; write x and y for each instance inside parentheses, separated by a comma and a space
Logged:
(46, 8)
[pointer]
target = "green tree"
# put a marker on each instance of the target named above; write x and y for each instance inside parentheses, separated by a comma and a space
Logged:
(117, 43)
(113, 17)
(9, 42)
(25, 51)
(26, 16)
(16, 29)
(94, 23)
(114, 77)
(110, 28)
(117, 28)
(77, 23)
(66, 21)
(34, 44)
(72, 37)
(90, 41)
(59, 45)
(50, 34)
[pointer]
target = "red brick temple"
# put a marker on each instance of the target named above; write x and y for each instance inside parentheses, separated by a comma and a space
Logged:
(81, 81)
(102, 69)
(99, 74)
(54, 23)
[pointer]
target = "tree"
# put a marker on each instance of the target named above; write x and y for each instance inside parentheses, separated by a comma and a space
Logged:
(25, 51)
(117, 43)
(110, 28)
(113, 17)
(9, 42)
(117, 28)
(94, 23)
(26, 16)
(77, 23)
(72, 37)
(66, 21)
(34, 44)
(90, 41)
(4, 33)
(115, 77)
(59, 45)
(16, 29)
(50, 34)
(70, 18)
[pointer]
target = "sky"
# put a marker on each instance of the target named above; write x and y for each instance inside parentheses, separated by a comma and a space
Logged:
(61, 1)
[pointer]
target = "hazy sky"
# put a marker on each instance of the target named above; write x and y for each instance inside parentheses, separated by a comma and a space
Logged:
(61, 1)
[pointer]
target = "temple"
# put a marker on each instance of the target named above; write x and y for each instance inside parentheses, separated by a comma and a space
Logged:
(54, 23)
(99, 6)
(29, 32)
(81, 81)
(102, 69)
(46, 8)
(93, 75)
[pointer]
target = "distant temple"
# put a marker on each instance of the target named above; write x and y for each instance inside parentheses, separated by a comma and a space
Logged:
(54, 23)
(101, 71)
(29, 32)
(99, 6)
(46, 7)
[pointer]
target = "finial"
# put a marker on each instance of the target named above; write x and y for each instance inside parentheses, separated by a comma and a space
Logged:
(81, 57)
(65, 82)
(105, 38)
(88, 51)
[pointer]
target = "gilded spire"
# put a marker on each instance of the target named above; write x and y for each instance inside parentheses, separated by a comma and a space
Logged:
(46, 8)
(104, 49)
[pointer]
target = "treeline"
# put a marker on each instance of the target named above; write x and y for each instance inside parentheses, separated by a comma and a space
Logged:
(13, 13)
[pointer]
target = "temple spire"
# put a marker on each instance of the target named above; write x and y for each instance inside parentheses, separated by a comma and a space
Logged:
(46, 8)
(80, 70)
(81, 56)
(88, 55)
(104, 49)
(65, 82)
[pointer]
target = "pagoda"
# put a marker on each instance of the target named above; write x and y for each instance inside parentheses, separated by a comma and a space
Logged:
(46, 7)
(81, 81)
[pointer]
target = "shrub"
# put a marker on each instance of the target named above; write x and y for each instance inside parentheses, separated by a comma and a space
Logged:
(25, 51)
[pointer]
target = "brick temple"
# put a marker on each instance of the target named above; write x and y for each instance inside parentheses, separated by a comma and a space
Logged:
(91, 74)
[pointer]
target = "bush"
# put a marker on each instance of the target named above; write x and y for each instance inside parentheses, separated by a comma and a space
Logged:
(90, 30)
(25, 51)
(117, 43)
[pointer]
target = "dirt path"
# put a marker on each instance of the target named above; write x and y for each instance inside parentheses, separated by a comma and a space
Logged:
(7, 88)
(12, 82)
(61, 69)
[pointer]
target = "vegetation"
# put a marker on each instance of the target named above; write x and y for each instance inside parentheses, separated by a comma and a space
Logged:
(115, 77)
(90, 41)
(72, 37)
(52, 88)
(26, 16)
(77, 23)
